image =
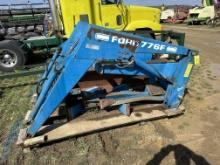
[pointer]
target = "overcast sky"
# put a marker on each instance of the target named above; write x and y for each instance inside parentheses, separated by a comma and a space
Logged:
(140, 2)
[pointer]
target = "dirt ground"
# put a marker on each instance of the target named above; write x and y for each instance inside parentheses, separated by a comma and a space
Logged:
(192, 138)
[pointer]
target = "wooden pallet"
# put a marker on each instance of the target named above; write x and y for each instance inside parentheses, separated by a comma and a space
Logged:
(102, 121)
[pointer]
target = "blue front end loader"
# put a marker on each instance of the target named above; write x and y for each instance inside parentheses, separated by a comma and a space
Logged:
(124, 78)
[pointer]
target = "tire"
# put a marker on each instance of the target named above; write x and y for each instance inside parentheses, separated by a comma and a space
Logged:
(211, 23)
(11, 56)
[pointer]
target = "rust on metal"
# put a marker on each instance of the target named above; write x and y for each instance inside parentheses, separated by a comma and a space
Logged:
(103, 103)
(155, 90)
(107, 82)
(147, 108)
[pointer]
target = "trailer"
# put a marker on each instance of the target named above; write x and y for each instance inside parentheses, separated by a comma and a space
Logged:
(178, 14)
(22, 19)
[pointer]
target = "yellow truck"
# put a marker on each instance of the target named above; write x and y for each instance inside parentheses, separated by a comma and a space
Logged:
(112, 14)
(66, 14)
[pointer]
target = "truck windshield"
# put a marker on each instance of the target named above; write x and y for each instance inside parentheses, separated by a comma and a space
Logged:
(109, 2)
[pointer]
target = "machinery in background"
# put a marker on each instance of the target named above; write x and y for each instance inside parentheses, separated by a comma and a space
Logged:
(216, 19)
(167, 15)
(66, 14)
(178, 14)
(22, 20)
(100, 79)
(208, 14)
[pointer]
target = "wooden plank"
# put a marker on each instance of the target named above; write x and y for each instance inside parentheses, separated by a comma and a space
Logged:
(21, 136)
(27, 117)
(77, 128)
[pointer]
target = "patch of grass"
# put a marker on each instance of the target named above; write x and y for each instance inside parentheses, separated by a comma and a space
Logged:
(215, 91)
(199, 98)
(208, 71)
(206, 85)
(183, 125)
(215, 108)
(14, 103)
(82, 146)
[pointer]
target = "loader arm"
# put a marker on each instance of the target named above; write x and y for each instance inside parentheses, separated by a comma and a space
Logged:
(109, 52)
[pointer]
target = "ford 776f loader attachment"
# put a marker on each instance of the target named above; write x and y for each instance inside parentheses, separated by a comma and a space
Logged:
(101, 79)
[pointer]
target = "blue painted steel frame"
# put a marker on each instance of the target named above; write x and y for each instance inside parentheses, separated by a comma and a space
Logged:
(90, 45)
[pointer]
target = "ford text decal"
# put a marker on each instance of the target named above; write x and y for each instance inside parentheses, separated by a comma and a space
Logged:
(135, 43)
